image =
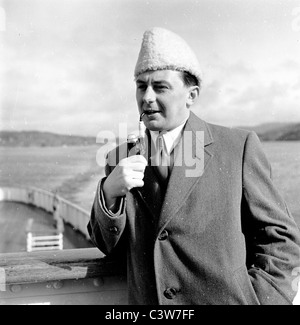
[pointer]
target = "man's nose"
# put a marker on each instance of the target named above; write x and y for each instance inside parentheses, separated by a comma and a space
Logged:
(149, 96)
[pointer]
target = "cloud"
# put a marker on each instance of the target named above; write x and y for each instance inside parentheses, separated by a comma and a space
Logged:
(259, 93)
(290, 65)
(68, 65)
(67, 83)
(241, 94)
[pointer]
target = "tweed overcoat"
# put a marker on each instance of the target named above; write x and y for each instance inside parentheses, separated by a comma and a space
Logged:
(220, 236)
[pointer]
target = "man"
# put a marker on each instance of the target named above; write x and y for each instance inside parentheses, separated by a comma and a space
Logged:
(217, 233)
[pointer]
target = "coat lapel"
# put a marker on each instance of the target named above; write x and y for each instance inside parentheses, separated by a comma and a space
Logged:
(191, 160)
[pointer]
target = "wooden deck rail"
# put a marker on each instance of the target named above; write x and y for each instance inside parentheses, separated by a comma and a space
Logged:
(77, 276)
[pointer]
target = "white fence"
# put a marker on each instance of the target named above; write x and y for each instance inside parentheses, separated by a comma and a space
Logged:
(43, 243)
(70, 213)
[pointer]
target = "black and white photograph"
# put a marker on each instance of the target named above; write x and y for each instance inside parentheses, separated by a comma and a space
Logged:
(149, 154)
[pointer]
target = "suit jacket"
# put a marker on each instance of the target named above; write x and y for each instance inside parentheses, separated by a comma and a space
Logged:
(221, 235)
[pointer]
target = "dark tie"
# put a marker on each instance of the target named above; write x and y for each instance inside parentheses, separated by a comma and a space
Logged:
(163, 161)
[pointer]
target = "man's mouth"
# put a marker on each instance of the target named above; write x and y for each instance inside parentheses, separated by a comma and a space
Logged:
(150, 112)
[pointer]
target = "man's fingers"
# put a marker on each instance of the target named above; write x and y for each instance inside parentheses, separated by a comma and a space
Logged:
(134, 159)
(137, 163)
(138, 167)
(131, 178)
(137, 183)
(134, 179)
(136, 175)
(138, 158)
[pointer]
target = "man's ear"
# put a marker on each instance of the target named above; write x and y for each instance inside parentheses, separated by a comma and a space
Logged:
(193, 95)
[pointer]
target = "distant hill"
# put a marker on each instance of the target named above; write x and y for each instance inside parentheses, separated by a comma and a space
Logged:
(266, 132)
(42, 139)
(276, 131)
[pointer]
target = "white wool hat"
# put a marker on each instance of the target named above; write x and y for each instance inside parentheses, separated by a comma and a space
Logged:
(164, 50)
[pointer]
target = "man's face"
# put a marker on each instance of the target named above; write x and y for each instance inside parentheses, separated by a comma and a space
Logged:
(164, 93)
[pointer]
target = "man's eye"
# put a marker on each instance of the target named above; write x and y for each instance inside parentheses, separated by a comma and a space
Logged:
(161, 88)
(141, 87)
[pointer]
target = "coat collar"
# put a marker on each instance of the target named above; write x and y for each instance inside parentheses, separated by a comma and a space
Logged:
(194, 123)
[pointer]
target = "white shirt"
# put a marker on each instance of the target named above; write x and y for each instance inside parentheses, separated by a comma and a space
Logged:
(171, 137)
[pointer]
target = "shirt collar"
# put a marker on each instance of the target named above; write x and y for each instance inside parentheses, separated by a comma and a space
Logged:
(171, 137)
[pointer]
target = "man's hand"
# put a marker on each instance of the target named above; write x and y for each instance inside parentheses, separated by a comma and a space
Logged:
(129, 173)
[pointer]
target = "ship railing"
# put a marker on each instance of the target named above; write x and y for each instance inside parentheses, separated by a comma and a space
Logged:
(57, 277)
(69, 212)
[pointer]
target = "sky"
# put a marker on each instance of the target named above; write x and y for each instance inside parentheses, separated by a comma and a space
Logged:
(66, 66)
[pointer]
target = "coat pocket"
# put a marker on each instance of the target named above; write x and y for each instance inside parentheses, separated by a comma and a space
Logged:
(242, 278)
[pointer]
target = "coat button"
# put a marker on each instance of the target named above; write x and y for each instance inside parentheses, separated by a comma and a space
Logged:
(163, 235)
(114, 230)
(170, 293)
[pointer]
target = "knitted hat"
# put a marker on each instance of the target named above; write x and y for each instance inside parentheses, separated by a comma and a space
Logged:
(164, 50)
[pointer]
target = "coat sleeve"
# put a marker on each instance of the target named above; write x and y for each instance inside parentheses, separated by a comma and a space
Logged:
(272, 236)
(106, 230)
